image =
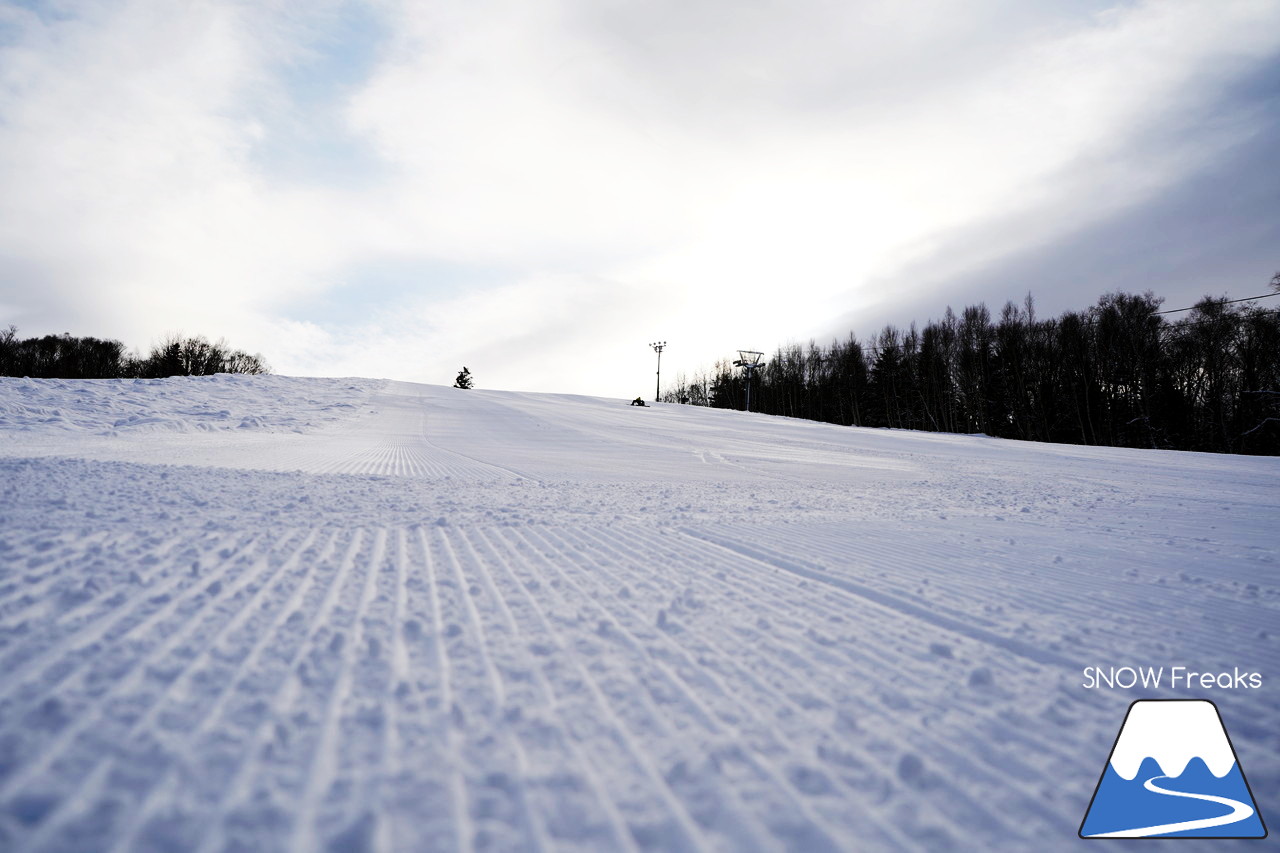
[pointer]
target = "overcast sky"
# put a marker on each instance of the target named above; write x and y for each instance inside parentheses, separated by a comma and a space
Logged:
(539, 189)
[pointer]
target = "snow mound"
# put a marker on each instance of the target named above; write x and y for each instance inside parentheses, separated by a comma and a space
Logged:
(178, 404)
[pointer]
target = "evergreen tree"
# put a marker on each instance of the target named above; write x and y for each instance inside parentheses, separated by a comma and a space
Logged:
(463, 380)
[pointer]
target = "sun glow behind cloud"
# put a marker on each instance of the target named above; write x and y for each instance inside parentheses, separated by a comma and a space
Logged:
(538, 189)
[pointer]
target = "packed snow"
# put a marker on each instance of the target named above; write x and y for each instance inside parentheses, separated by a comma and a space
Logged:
(266, 613)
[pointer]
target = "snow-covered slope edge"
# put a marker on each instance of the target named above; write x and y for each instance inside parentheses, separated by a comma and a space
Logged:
(178, 404)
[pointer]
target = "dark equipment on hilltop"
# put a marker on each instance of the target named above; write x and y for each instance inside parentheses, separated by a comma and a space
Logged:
(748, 360)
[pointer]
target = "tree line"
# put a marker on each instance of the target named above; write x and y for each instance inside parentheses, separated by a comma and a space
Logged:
(1118, 374)
(68, 357)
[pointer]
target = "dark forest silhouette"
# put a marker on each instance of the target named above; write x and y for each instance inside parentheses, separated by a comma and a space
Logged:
(1118, 374)
(68, 357)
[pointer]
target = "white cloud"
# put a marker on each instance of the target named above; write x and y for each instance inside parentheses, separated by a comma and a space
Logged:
(124, 152)
(720, 175)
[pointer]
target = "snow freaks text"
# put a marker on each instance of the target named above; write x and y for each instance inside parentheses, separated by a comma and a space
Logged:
(1173, 677)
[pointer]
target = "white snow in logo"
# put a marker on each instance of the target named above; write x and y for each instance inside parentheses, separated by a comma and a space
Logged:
(1172, 733)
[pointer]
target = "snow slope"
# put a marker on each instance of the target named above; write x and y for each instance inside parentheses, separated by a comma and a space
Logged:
(296, 614)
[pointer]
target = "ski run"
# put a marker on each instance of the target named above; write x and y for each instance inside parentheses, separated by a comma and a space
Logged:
(265, 613)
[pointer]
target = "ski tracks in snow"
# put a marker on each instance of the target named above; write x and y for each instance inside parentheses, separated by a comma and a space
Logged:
(430, 687)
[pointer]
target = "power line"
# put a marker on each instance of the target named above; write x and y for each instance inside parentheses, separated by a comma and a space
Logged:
(873, 350)
(1184, 328)
(1225, 302)
(1171, 331)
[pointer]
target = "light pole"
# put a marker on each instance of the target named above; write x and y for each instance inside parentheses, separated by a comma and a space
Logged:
(657, 388)
(748, 360)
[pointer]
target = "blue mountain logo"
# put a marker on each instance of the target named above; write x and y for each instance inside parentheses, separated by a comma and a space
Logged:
(1172, 773)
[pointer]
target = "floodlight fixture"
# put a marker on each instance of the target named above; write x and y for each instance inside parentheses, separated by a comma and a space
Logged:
(658, 347)
(748, 360)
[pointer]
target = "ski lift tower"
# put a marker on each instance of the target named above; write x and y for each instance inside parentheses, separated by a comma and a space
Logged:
(658, 347)
(748, 360)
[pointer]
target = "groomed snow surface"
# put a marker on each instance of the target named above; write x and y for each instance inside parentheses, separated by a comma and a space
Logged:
(299, 614)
